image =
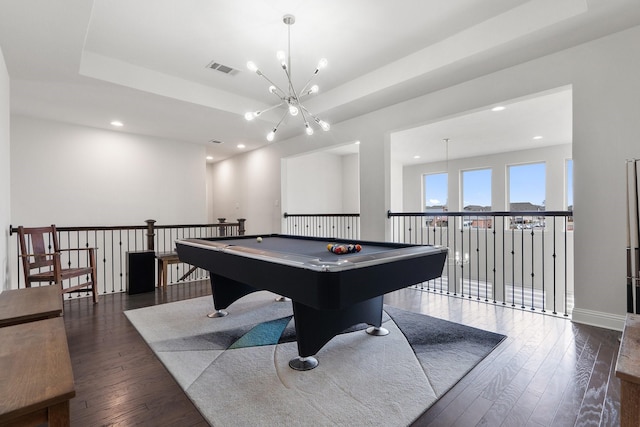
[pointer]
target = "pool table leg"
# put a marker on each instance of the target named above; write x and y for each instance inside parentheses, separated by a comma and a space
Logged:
(377, 331)
(315, 328)
(225, 292)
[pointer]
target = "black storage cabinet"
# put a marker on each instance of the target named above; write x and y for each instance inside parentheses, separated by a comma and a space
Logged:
(141, 272)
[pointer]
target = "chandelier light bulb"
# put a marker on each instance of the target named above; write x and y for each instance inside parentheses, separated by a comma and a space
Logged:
(271, 135)
(314, 89)
(252, 66)
(293, 110)
(272, 89)
(308, 129)
(322, 64)
(252, 115)
(281, 55)
(324, 125)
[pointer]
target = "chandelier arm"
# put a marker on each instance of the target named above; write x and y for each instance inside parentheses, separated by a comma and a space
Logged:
(291, 88)
(324, 125)
(274, 85)
(272, 134)
(304, 118)
(280, 97)
(302, 107)
(271, 108)
(281, 120)
(308, 83)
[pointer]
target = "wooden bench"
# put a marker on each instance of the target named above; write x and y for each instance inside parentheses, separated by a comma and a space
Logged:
(35, 374)
(30, 304)
(628, 370)
(164, 260)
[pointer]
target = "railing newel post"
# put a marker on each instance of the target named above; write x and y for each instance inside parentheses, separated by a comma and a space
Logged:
(150, 234)
(222, 228)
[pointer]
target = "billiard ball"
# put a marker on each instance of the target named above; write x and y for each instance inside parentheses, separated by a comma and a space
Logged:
(259, 239)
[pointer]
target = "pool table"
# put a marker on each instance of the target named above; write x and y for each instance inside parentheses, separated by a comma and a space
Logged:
(329, 292)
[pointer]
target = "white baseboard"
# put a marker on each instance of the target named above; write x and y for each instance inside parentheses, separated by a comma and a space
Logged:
(598, 318)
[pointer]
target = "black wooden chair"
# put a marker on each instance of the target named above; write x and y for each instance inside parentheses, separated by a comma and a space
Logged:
(41, 261)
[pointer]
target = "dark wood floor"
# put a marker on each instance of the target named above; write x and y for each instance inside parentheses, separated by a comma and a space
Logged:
(548, 372)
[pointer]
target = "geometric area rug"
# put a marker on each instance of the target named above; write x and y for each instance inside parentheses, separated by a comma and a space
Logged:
(235, 368)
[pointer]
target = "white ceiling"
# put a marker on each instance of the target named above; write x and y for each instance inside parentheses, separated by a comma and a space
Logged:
(143, 62)
(536, 121)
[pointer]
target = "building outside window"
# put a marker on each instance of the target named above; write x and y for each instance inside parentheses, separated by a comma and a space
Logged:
(527, 189)
(435, 197)
(476, 197)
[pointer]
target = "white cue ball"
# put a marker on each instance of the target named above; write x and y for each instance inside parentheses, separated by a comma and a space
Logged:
(259, 239)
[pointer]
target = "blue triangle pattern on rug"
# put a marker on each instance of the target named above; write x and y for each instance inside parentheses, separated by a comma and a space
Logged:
(267, 333)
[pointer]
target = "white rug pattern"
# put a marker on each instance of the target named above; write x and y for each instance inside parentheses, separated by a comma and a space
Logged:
(361, 379)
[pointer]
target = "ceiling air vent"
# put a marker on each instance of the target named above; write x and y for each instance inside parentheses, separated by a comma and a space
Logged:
(222, 68)
(215, 141)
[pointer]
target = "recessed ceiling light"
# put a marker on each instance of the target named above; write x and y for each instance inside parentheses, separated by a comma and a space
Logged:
(416, 157)
(357, 142)
(241, 146)
(117, 123)
(209, 157)
(498, 108)
(537, 137)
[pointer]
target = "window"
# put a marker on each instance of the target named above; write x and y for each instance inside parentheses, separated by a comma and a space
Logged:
(476, 197)
(569, 181)
(476, 190)
(527, 193)
(569, 190)
(435, 197)
(435, 192)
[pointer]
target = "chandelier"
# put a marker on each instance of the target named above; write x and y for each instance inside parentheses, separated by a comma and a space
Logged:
(289, 98)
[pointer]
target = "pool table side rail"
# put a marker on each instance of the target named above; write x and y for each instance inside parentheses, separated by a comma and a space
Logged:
(317, 264)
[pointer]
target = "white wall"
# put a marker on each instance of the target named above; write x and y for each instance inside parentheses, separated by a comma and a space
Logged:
(78, 176)
(397, 187)
(606, 131)
(321, 183)
(350, 183)
(314, 184)
(5, 206)
(554, 158)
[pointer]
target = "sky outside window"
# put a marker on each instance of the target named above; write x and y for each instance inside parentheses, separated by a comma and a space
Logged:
(569, 188)
(527, 184)
(476, 190)
(435, 191)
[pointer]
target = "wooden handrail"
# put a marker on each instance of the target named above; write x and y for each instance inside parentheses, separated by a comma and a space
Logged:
(287, 215)
(240, 224)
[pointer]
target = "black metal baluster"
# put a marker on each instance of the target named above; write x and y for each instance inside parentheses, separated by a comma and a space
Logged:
(513, 269)
(120, 256)
(504, 264)
(470, 255)
(554, 267)
(478, 257)
(566, 314)
(532, 269)
(486, 260)
(462, 257)
(544, 296)
(493, 234)
(522, 267)
(449, 260)
(455, 261)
